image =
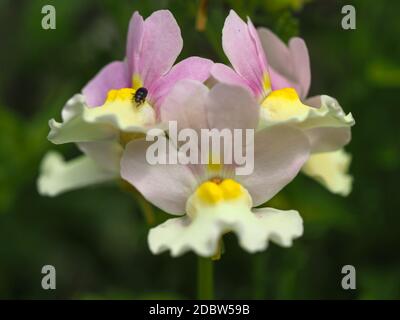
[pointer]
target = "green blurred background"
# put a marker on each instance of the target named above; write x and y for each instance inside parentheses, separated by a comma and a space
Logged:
(96, 237)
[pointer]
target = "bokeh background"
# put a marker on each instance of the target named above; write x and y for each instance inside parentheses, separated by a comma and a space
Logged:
(96, 237)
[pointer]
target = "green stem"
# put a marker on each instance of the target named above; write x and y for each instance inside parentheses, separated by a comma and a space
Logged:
(205, 279)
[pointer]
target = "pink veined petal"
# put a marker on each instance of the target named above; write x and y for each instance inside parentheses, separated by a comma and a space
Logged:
(134, 41)
(112, 76)
(241, 51)
(167, 186)
(260, 52)
(225, 74)
(279, 154)
(231, 107)
(192, 68)
(161, 45)
(301, 63)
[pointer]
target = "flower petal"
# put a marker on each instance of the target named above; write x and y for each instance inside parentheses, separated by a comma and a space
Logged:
(301, 63)
(241, 51)
(134, 41)
(327, 139)
(106, 154)
(186, 105)
(289, 66)
(331, 170)
(202, 234)
(193, 68)
(225, 74)
(161, 45)
(74, 128)
(165, 185)
(58, 176)
(283, 107)
(231, 107)
(279, 154)
(115, 75)
(327, 126)
(280, 226)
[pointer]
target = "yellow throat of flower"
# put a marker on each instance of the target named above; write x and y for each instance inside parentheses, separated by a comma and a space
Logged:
(214, 191)
(217, 193)
(284, 104)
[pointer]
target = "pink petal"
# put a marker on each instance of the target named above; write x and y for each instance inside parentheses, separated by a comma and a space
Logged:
(289, 66)
(231, 107)
(167, 186)
(279, 154)
(301, 62)
(186, 105)
(281, 82)
(241, 51)
(161, 45)
(193, 68)
(112, 76)
(225, 74)
(134, 41)
(257, 42)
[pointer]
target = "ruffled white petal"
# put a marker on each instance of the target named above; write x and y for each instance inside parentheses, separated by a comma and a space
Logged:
(58, 176)
(74, 128)
(84, 124)
(202, 233)
(328, 114)
(331, 170)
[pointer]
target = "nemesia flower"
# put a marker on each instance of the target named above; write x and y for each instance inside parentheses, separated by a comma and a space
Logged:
(279, 77)
(211, 197)
(120, 103)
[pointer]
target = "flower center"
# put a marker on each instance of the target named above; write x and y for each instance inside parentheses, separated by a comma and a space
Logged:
(216, 192)
(284, 104)
(123, 112)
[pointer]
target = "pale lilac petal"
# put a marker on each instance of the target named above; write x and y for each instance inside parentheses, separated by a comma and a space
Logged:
(289, 66)
(279, 154)
(115, 75)
(280, 82)
(257, 42)
(225, 74)
(231, 107)
(134, 41)
(241, 51)
(186, 104)
(276, 51)
(161, 45)
(193, 68)
(301, 62)
(167, 186)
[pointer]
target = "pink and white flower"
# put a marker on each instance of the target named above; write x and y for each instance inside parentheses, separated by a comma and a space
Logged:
(212, 198)
(106, 116)
(279, 77)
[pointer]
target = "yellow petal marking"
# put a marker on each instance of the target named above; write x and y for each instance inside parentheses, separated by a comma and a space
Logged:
(212, 192)
(284, 104)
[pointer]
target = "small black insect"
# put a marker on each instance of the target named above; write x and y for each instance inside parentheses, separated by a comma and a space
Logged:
(140, 95)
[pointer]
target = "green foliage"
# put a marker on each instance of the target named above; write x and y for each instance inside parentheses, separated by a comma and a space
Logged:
(96, 238)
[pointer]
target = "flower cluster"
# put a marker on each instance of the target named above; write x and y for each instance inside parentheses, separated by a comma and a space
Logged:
(265, 90)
